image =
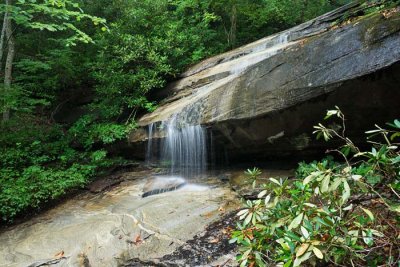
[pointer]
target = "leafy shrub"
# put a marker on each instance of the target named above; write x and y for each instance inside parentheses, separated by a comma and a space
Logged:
(332, 212)
(38, 164)
(253, 174)
(87, 131)
(37, 185)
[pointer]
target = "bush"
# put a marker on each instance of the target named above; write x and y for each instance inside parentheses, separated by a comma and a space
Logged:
(332, 212)
(38, 163)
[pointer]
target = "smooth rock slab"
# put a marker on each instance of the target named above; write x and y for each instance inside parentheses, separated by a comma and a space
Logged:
(109, 229)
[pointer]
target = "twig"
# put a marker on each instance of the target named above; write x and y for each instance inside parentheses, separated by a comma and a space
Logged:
(394, 191)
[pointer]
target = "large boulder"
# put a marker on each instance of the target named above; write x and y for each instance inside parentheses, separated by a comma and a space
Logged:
(263, 99)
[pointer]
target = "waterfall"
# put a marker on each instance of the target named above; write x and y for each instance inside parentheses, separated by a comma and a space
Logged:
(149, 149)
(183, 149)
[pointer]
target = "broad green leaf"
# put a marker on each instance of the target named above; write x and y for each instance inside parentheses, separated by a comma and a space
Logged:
(318, 253)
(267, 199)
(262, 193)
(325, 184)
(302, 249)
(315, 242)
(330, 113)
(254, 219)
(362, 186)
(349, 207)
(309, 178)
(354, 236)
(249, 203)
(248, 218)
(305, 233)
(316, 191)
(374, 152)
(259, 260)
(284, 245)
(376, 233)
(369, 213)
(367, 237)
(233, 240)
(276, 200)
(296, 221)
(397, 123)
(293, 236)
(274, 181)
(288, 263)
(300, 260)
(240, 213)
(346, 192)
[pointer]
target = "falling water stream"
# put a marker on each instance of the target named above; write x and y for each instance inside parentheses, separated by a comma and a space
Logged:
(183, 150)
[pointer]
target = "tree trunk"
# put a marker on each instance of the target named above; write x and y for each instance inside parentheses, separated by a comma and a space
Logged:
(2, 36)
(233, 26)
(302, 16)
(9, 63)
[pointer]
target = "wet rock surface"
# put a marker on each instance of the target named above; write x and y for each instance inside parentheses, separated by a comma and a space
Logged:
(161, 184)
(113, 227)
(104, 183)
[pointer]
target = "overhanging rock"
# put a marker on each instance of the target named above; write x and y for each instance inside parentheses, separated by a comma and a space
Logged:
(263, 98)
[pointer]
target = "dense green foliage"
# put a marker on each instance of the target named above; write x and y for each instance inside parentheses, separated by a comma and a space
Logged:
(83, 69)
(332, 212)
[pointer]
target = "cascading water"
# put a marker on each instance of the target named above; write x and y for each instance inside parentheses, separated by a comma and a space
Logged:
(183, 150)
(149, 148)
(260, 53)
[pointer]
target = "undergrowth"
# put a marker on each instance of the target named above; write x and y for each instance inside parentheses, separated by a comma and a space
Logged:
(42, 162)
(342, 213)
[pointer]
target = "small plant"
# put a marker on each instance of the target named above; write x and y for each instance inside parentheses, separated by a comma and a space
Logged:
(341, 213)
(253, 174)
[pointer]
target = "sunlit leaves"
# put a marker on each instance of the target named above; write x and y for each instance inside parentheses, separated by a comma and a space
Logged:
(317, 217)
(318, 253)
(302, 249)
(296, 221)
(58, 16)
(346, 192)
(369, 213)
(322, 131)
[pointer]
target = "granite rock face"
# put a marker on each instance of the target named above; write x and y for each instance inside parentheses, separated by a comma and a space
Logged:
(263, 98)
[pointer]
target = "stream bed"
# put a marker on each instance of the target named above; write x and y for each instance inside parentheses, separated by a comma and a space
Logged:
(179, 223)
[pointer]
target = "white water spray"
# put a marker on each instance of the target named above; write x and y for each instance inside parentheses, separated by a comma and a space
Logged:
(183, 150)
